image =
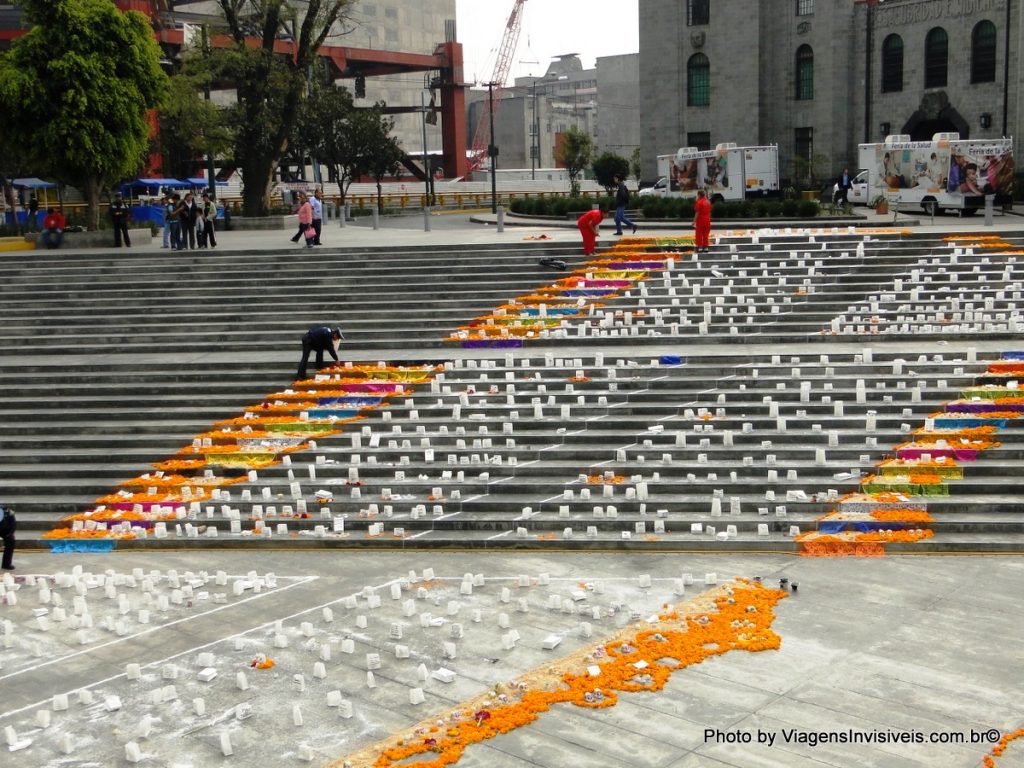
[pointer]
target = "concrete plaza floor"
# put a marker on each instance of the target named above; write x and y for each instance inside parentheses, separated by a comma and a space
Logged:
(919, 648)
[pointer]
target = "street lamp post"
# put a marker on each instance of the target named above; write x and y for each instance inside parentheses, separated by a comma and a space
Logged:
(428, 171)
(492, 150)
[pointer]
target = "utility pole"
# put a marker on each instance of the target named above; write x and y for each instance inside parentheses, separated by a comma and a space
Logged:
(492, 149)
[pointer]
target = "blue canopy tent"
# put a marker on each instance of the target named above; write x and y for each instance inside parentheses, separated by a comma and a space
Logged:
(201, 183)
(151, 187)
(33, 184)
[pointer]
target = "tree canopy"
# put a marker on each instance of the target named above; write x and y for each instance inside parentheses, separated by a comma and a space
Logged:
(351, 141)
(574, 155)
(270, 82)
(607, 167)
(76, 89)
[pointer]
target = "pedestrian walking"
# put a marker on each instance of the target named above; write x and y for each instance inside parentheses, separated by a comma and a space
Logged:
(318, 214)
(209, 210)
(172, 217)
(188, 212)
(621, 201)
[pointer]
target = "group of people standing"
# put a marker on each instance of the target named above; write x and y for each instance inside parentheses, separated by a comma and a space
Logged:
(188, 223)
(311, 218)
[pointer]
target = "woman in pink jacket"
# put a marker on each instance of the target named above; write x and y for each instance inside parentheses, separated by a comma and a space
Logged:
(305, 221)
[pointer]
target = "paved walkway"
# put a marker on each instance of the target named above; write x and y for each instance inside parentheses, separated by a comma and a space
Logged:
(480, 228)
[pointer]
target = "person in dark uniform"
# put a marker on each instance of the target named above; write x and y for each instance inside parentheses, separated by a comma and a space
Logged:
(318, 339)
(8, 524)
(120, 214)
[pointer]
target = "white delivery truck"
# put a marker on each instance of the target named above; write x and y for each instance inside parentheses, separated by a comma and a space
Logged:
(946, 172)
(727, 172)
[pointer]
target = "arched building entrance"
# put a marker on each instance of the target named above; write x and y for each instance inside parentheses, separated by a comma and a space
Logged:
(935, 115)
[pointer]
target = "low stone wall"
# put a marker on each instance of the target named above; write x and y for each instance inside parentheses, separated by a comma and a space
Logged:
(261, 222)
(103, 238)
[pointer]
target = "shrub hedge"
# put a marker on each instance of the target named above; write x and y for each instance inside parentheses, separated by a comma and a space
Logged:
(669, 207)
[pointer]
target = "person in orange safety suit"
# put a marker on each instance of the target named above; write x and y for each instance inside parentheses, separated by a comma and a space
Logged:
(588, 224)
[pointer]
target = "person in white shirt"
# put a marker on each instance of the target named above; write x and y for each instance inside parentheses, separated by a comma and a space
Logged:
(318, 214)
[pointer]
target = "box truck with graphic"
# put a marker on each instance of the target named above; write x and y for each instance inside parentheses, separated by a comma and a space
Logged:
(727, 172)
(944, 173)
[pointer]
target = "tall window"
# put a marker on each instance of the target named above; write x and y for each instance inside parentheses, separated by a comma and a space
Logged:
(698, 81)
(698, 12)
(804, 7)
(803, 144)
(892, 64)
(804, 72)
(699, 139)
(983, 52)
(936, 58)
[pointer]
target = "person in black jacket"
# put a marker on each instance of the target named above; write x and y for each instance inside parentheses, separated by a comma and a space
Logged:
(120, 214)
(8, 524)
(621, 201)
(318, 339)
(189, 211)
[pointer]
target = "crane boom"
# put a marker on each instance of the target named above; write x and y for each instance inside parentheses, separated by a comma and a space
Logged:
(482, 135)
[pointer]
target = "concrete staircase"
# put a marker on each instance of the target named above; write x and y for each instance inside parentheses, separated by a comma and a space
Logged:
(646, 416)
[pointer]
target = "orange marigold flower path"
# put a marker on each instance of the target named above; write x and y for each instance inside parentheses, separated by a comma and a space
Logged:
(735, 616)
(989, 760)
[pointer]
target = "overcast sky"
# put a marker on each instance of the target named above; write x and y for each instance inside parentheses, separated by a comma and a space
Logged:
(550, 28)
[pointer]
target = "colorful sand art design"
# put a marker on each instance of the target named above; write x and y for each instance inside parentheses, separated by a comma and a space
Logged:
(577, 295)
(232, 452)
(891, 505)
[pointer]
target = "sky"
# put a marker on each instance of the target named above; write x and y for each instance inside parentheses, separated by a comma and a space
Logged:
(550, 28)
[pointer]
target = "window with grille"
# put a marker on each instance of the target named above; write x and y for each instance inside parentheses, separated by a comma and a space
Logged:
(698, 81)
(892, 64)
(803, 143)
(936, 58)
(698, 12)
(804, 7)
(983, 52)
(804, 73)
(700, 139)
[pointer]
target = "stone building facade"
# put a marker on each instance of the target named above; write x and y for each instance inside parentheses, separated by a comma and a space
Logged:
(817, 77)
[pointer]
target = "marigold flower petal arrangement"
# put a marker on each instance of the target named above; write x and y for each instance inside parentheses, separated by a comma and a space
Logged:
(733, 617)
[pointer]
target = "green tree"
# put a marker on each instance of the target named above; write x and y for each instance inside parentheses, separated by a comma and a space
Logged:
(607, 167)
(75, 91)
(12, 165)
(385, 156)
(270, 85)
(573, 154)
(191, 126)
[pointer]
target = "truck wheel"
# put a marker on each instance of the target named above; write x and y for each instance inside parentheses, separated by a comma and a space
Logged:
(715, 199)
(928, 203)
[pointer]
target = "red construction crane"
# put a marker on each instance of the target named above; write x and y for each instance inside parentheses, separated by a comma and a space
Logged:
(482, 134)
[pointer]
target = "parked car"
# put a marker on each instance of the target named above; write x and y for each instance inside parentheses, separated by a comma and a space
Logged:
(657, 189)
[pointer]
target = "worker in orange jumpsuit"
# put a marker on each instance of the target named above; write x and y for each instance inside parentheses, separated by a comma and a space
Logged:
(588, 224)
(702, 221)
